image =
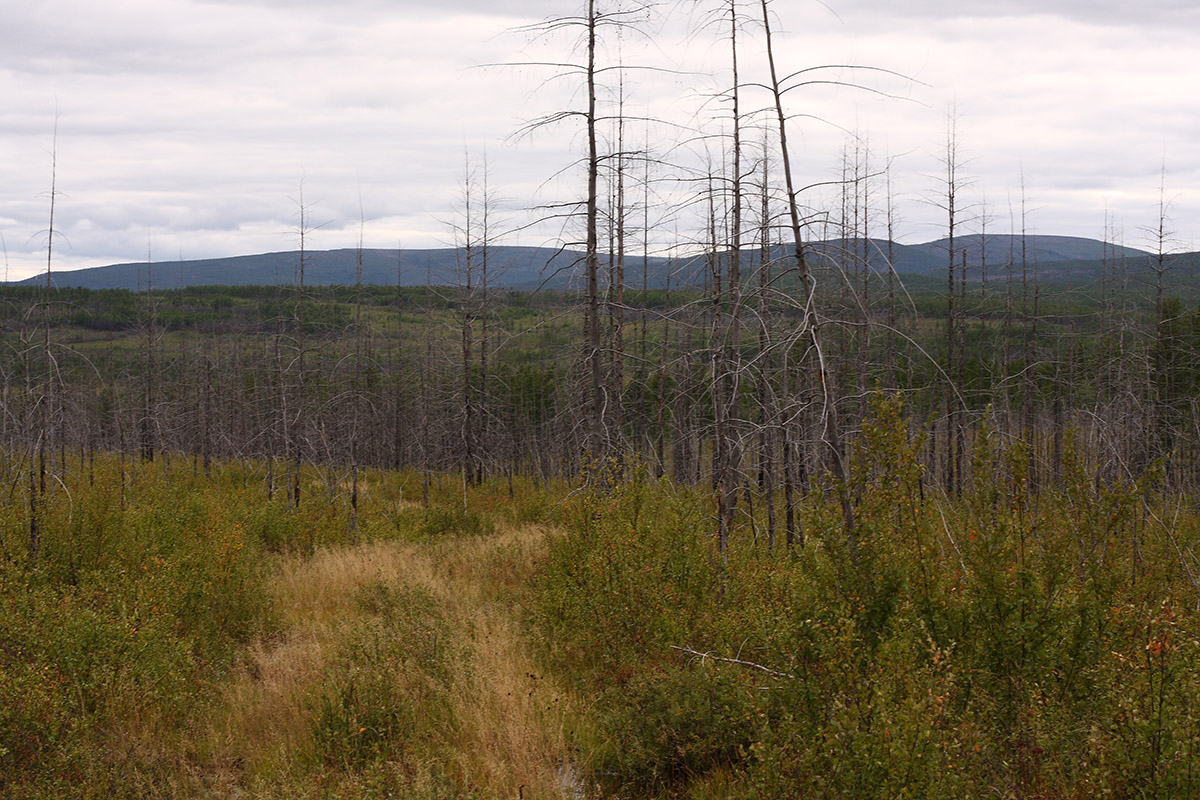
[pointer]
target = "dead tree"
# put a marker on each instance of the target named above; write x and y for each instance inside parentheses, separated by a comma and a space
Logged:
(830, 435)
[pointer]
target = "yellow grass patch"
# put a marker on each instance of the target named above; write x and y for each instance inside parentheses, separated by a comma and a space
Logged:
(511, 719)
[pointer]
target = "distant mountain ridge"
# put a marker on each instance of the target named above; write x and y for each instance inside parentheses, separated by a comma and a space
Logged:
(513, 267)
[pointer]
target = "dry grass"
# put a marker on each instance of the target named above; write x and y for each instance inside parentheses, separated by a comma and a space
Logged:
(511, 720)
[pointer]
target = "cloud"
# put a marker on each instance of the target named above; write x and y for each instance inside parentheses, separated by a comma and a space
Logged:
(196, 122)
(1111, 13)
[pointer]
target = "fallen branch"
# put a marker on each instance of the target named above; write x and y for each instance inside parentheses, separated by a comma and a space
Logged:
(749, 664)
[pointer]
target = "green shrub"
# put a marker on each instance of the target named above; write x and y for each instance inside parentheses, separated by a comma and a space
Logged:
(456, 521)
(137, 606)
(670, 724)
(999, 643)
(389, 696)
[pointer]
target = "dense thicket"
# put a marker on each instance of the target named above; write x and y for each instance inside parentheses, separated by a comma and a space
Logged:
(1005, 643)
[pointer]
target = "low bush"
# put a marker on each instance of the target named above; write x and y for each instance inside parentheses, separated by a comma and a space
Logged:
(1000, 643)
(456, 521)
(116, 634)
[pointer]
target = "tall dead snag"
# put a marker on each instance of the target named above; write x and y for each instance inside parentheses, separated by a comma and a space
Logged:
(660, 402)
(206, 414)
(279, 445)
(890, 368)
(598, 439)
(357, 398)
(1029, 331)
(643, 363)
(728, 345)
(294, 426)
(616, 284)
(1006, 324)
(766, 367)
(953, 434)
(830, 432)
(984, 353)
(39, 441)
(398, 443)
(1165, 314)
(148, 422)
(426, 423)
(466, 282)
(473, 243)
(484, 252)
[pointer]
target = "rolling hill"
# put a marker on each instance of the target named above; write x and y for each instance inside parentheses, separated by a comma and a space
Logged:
(533, 267)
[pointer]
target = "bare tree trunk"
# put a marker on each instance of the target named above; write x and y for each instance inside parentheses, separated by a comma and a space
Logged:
(298, 321)
(484, 397)
(891, 290)
(831, 435)
(48, 376)
(398, 378)
(661, 400)
(356, 399)
(1030, 337)
(766, 405)
(728, 345)
(206, 418)
(467, 326)
(951, 438)
(617, 287)
(150, 367)
(598, 443)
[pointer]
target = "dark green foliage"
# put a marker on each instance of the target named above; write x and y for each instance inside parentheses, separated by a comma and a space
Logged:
(1003, 643)
(666, 726)
(456, 521)
(135, 611)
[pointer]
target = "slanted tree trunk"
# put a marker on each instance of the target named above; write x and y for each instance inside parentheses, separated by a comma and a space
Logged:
(831, 435)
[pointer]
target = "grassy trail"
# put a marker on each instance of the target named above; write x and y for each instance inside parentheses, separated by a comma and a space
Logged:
(508, 737)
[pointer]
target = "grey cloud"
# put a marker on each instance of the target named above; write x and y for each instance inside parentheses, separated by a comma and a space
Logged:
(178, 38)
(196, 121)
(1106, 12)
(350, 9)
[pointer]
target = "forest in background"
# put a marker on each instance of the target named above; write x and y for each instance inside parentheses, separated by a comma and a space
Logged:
(490, 382)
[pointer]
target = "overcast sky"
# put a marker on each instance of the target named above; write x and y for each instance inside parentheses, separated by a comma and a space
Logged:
(191, 128)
